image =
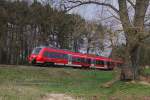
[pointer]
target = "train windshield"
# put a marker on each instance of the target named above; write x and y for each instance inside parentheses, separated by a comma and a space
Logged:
(36, 51)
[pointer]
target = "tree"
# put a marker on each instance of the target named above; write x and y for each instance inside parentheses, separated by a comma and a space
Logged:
(93, 37)
(24, 26)
(145, 54)
(3, 28)
(134, 29)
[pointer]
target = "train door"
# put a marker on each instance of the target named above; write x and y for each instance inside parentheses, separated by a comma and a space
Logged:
(105, 65)
(69, 59)
(93, 63)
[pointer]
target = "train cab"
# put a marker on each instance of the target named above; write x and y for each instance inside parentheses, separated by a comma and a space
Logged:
(36, 56)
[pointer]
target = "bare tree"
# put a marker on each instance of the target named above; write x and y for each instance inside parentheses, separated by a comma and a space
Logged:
(134, 30)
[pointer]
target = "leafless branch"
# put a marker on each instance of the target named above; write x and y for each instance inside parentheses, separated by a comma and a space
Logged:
(79, 3)
(131, 3)
(113, 15)
(147, 18)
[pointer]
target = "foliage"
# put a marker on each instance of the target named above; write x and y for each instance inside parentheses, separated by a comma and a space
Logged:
(24, 26)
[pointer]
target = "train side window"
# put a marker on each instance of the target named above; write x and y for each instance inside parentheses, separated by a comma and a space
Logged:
(65, 56)
(46, 54)
(108, 63)
(99, 62)
(73, 59)
(55, 55)
(59, 55)
(82, 60)
(78, 59)
(93, 61)
(102, 62)
(62, 56)
(88, 61)
(51, 55)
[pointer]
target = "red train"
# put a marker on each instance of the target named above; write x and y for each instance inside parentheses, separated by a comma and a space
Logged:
(47, 55)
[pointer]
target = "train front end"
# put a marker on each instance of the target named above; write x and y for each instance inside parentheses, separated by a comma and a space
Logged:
(36, 56)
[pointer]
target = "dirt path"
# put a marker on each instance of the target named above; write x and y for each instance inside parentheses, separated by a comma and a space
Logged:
(55, 96)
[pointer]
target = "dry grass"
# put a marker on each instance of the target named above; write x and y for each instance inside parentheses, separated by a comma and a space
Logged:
(15, 92)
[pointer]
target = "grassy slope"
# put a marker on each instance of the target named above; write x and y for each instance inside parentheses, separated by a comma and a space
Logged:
(32, 83)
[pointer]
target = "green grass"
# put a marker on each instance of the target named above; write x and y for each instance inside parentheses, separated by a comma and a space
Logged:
(33, 83)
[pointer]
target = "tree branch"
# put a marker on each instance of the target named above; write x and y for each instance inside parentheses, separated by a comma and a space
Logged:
(131, 3)
(113, 15)
(147, 36)
(79, 3)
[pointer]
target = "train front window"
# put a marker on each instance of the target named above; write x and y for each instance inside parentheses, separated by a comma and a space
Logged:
(36, 51)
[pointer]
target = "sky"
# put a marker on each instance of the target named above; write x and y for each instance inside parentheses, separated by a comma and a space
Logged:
(95, 13)
(92, 11)
(89, 12)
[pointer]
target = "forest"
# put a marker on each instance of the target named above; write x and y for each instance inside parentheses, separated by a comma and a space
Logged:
(24, 26)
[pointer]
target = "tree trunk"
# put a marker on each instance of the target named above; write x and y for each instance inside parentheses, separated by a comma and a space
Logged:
(131, 68)
(75, 45)
(135, 62)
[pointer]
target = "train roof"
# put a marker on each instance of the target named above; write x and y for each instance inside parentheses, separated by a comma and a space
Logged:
(77, 54)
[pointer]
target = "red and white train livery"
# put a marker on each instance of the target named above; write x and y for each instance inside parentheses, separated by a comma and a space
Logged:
(47, 55)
